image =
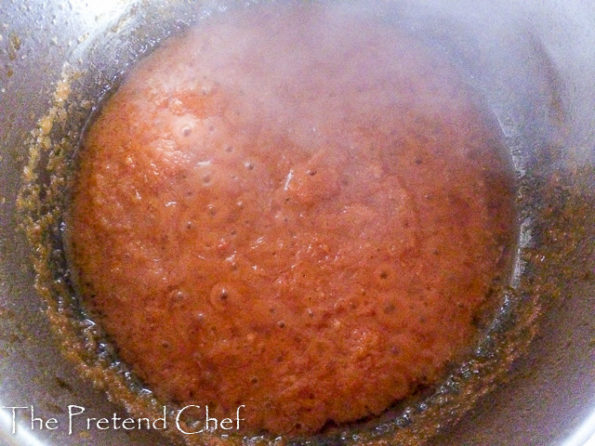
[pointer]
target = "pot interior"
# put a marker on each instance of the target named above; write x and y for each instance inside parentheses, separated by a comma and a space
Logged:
(528, 83)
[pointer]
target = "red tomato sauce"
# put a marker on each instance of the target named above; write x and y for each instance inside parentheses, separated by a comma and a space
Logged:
(291, 208)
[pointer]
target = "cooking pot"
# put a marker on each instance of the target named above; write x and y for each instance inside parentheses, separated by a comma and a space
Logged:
(530, 380)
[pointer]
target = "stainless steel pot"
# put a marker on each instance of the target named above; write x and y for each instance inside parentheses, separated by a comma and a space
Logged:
(534, 62)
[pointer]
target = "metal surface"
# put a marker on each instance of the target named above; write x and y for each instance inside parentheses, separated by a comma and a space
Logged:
(535, 64)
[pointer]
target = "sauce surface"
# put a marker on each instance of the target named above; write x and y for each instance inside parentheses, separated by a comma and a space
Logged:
(295, 208)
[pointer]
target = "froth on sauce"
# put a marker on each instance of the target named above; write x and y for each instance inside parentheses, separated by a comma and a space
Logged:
(291, 207)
